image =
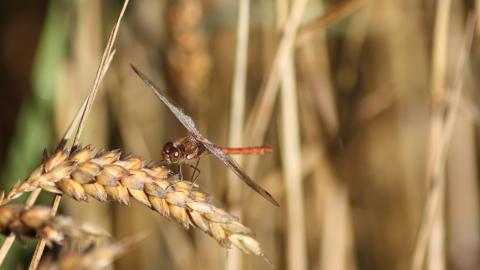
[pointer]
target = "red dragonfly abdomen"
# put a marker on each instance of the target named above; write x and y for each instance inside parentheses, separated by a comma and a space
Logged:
(254, 150)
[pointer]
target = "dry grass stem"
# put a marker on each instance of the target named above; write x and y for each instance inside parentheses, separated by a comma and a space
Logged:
(84, 111)
(438, 156)
(291, 159)
(435, 177)
(105, 176)
(107, 57)
(37, 255)
(336, 13)
(237, 115)
(261, 112)
(237, 112)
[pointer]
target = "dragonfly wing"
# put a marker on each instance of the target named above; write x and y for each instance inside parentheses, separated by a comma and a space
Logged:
(230, 163)
(186, 120)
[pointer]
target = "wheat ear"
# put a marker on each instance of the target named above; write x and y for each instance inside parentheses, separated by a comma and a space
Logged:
(38, 221)
(105, 176)
(91, 258)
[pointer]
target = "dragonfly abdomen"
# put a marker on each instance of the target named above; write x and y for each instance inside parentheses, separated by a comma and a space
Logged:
(254, 150)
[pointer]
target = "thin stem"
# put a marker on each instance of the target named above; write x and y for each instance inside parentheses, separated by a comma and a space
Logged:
(102, 69)
(37, 255)
(81, 112)
(334, 14)
(436, 173)
(262, 111)
(291, 161)
(7, 244)
(237, 116)
(104, 65)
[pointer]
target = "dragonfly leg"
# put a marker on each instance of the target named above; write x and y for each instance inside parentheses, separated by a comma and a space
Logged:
(180, 173)
(178, 169)
(196, 171)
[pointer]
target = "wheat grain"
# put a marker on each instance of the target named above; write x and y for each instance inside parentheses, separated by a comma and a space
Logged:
(105, 176)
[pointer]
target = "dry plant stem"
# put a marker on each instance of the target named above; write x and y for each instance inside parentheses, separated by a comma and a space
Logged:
(455, 97)
(237, 117)
(462, 192)
(80, 116)
(262, 110)
(296, 241)
(433, 203)
(335, 231)
(336, 247)
(315, 67)
(37, 255)
(435, 175)
(237, 112)
(7, 244)
(436, 245)
(336, 13)
(104, 65)
(102, 69)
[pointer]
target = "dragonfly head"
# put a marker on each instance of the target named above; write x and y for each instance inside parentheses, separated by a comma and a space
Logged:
(170, 153)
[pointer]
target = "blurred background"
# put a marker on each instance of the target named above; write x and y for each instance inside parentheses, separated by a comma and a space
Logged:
(370, 107)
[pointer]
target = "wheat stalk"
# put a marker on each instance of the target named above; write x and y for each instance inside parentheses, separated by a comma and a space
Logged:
(105, 176)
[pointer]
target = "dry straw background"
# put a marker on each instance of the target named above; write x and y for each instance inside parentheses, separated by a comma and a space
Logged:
(370, 107)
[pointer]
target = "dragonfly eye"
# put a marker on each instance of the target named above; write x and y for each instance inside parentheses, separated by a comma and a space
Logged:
(170, 152)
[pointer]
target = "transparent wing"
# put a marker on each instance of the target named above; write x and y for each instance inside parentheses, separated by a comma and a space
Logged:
(230, 163)
(186, 120)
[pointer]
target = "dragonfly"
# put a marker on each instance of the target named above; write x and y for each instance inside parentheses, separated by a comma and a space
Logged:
(195, 145)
